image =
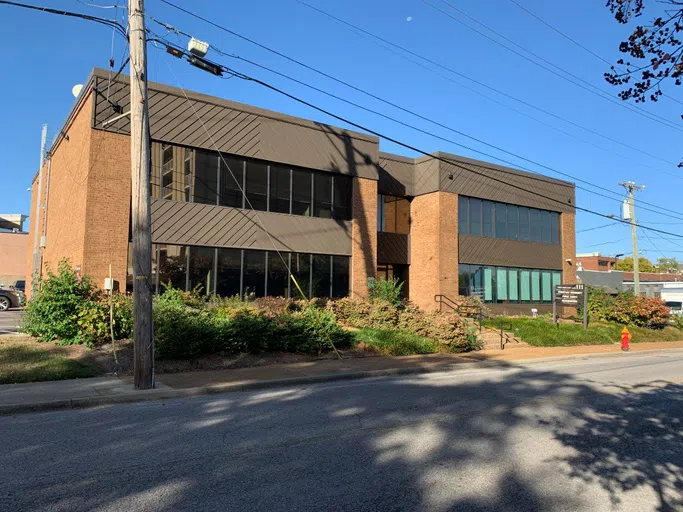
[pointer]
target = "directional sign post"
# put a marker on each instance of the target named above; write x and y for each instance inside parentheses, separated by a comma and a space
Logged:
(571, 295)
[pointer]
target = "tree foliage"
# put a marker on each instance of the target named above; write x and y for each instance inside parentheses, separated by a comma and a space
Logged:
(626, 265)
(654, 50)
(668, 265)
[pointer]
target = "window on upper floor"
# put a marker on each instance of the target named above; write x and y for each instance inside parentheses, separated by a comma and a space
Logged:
(500, 220)
(209, 177)
(393, 214)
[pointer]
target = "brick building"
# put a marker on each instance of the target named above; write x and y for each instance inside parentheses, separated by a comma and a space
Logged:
(595, 261)
(243, 196)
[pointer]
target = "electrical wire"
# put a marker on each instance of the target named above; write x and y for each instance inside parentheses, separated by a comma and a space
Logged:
(421, 151)
(591, 88)
(109, 23)
(375, 112)
(598, 227)
(669, 124)
(363, 91)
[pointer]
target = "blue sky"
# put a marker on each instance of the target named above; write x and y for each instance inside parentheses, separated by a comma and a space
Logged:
(50, 54)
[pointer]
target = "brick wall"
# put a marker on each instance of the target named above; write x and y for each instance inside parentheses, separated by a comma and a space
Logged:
(14, 250)
(68, 194)
(433, 248)
(568, 242)
(364, 235)
(108, 208)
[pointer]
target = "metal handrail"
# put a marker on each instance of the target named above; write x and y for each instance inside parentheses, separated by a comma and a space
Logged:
(461, 309)
(504, 325)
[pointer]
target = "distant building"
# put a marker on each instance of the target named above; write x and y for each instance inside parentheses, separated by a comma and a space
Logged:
(13, 249)
(651, 283)
(12, 221)
(595, 261)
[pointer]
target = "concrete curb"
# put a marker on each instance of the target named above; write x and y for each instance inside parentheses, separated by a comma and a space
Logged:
(168, 394)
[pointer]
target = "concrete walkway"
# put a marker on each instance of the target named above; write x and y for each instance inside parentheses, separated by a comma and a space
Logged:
(16, 398)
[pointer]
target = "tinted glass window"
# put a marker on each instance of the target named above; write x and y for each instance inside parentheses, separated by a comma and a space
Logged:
(525, 285)
(487, 219)
(278, 276)
(229, 270)
(463, 216)
(301, 192)
(254, 274)
(513, 284)
(257, 185)
(513, 221)
(554, 228)
(232, 181)
(535, 285)
(279, 189)
(545, 226)
(322, 195)
(464, 279)
(524, 234)
(501, 221)
(172, 266)
(167, 172)
(340, 276)
(206, 177)
(201, 275)
(535, 221)
(546, 286)
(321, 276)
(301, 270)
(475, 216)
(501, 284)
(342, 197)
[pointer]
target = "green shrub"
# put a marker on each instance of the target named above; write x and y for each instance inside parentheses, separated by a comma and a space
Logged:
(388, 290)
(53, 311)
(181, 333)
(376, 313)
(445, 327)
(319, 330)
(392, 342)
(626, 308)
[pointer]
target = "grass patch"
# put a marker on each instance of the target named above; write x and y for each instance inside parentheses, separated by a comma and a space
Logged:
(23, 363)
(392, 342)
(542, 333)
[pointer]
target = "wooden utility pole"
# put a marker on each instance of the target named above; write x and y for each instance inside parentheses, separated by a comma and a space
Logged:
(143, 329)
(630, 215)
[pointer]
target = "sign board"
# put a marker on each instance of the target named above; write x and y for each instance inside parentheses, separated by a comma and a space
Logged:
(571, 295)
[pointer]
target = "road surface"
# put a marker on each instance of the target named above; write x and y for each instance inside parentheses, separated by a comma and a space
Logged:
(9, 321)
(591, 434)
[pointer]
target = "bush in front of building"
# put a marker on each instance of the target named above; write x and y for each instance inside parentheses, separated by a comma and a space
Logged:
(389, 290)
(69, 308)
(446, 328)
(626, 308)
(232, 327)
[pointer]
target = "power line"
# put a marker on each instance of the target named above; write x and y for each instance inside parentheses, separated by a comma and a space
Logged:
(598, 227)
(103, 21)
(363, 91)
(375, 112)
(575, 42)
(591, 88)
(451, 70)
(414, 148)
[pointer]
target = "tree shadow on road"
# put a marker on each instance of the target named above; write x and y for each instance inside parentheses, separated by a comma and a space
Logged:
(514, 438)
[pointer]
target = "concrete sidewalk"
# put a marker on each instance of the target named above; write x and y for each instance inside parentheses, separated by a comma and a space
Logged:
(17, 398)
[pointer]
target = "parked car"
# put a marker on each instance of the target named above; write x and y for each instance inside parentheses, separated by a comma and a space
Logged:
(9, 299)
(20, 285)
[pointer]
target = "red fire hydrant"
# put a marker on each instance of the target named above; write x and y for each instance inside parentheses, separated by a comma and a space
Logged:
(625, 338)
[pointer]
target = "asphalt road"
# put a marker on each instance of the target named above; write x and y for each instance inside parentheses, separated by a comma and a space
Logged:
(600, 433)
(9, 321)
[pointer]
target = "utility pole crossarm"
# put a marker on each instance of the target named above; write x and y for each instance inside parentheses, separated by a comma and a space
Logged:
(631, 187)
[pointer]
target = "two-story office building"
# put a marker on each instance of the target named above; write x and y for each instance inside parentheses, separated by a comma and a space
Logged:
(243, 197)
